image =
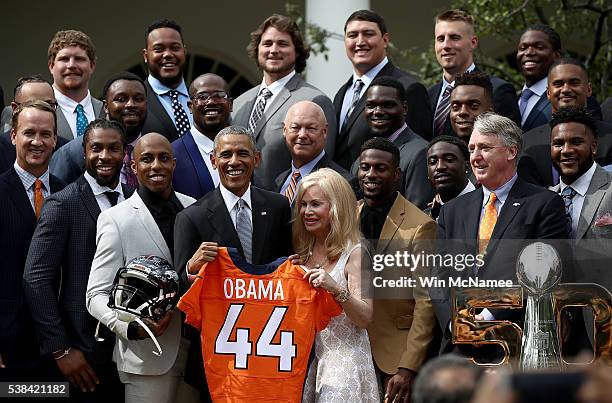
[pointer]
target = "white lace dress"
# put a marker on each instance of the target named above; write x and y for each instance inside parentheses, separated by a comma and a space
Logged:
(343, 370)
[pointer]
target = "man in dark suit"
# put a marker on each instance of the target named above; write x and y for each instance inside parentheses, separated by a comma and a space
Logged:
(23, 188)
(71, 59)
(7, 154)
(211, 106)
(212, 221)
(305, 131)
(385, 113)
(568, 84)
(167, 95)
(455, 42)
(538, 48)
(62, 248)
(504, 208)
(125, 101)
(366, 39)
(278, 49)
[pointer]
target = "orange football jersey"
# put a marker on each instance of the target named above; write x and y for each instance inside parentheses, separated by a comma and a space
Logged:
(257, 326)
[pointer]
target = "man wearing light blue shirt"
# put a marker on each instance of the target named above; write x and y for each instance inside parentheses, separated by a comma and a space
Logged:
(167, 94)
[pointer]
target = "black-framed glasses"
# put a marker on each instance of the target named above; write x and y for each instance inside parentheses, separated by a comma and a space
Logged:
(205, 96)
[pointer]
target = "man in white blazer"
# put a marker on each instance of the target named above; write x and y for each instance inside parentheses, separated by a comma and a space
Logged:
(142, 225)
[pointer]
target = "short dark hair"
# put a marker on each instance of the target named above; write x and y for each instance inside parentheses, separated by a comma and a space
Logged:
(383, 144)
(454, 140)
(367, 15)
(36, 104)
(124, 75)
(35, 78)
(387, 81)
(553, 36)
(569, 60)
(102, 123)
(576, 114)
(163, 23)
(477, 78)
(288, 26)
(426, 390)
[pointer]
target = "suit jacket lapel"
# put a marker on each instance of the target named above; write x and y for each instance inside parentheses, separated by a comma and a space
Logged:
(279, 100)
(339, 99)
(592, 200)
(97, 107)
(260, 223)
(62, 124)
(20, 198)
(88, 198)
(512, 205)
(392, 224)
(147, 221)
(204, 177)
(155, 107)
(221, 222)
(471, 221)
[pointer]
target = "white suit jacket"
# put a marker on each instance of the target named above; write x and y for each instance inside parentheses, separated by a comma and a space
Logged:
(124, 232)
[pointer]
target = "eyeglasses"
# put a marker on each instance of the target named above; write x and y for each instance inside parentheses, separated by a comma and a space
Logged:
(205, 96)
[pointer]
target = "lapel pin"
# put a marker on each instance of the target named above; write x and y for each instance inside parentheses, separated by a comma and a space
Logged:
(516, 204)
(264, 213)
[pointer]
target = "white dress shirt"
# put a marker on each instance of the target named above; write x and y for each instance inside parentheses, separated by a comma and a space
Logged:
(68, 108)
(367, 79)
(206, 147)
(539, 90)
(580, 185)
(231, 199)
(98, 191)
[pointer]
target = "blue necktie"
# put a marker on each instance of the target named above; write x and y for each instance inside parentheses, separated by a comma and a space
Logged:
(525, 95)
(568, 196)
(81, 122)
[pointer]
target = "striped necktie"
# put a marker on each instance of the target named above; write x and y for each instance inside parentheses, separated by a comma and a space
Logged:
(356, 94)
(258, 111)
(293, 183)
(442, 111)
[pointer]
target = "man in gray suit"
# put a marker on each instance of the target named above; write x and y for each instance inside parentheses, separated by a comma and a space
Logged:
(72, 60)
(142, 225)
(279, 51)
(61, 252)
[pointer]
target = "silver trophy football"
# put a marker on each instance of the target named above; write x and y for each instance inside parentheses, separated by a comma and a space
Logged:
(538, 270)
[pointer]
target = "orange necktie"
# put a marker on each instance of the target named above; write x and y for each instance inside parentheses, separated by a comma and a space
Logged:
(38, 197)
(290, 192)
(488, 223)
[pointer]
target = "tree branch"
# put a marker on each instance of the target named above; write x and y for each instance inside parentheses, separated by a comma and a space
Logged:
(519, 9)
(597, 43)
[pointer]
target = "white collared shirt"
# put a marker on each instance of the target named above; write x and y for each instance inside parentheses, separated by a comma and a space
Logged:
(68, 107)
(367, 79)
(231, 199)
(275, 88)
(539, 90)
(206, 147)
(98, 191)
(28, 180)
(446, 84)
(580, 185)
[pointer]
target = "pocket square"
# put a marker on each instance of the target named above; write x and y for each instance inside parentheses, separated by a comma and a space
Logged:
(264, 213)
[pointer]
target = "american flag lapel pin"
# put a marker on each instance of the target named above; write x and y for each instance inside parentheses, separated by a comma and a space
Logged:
(264, 213)
(516, 204)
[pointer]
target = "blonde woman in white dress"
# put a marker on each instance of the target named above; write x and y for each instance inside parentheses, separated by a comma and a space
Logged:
(327, 238)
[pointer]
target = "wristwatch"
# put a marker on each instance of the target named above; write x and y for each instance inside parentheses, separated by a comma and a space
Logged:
(342, 296)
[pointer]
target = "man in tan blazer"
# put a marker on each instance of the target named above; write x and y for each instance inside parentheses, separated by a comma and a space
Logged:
(403, 322)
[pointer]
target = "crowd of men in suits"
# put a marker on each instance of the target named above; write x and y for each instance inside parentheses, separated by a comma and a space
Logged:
(164, 167)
